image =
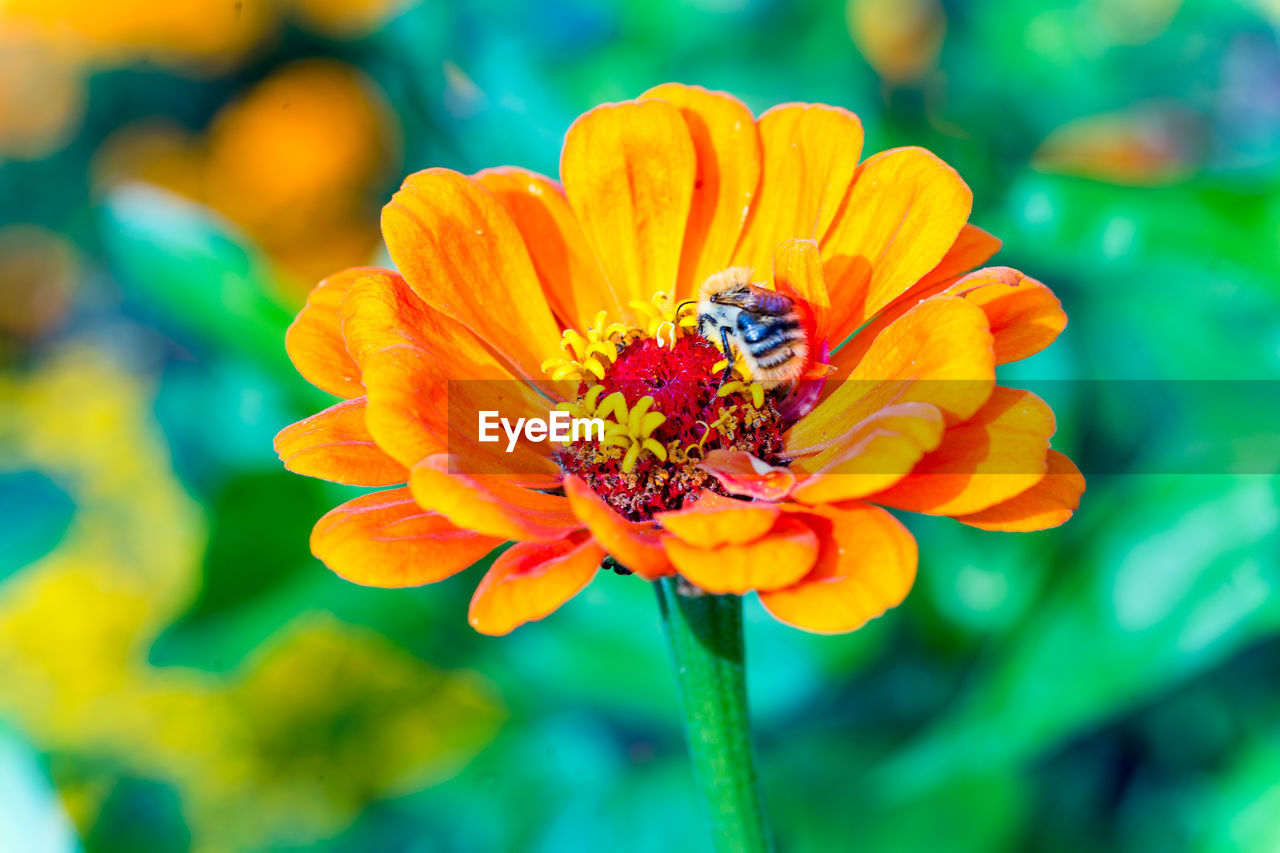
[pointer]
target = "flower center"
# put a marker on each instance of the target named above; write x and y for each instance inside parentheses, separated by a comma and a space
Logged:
(658, 387)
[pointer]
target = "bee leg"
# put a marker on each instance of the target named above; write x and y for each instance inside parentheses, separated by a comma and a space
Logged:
(728, 354)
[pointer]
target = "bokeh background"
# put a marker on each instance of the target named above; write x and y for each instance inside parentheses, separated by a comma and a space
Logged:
(178, 673)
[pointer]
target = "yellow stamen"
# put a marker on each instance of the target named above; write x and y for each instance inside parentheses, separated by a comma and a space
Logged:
(617, 441)
(571, 340)
(566, 371)
(604, 348)
(615, 404)
(646, 309)
(670, 329)
(637, 412)
(650, 422)
(629, 460)
(754, 389)
(730, 388)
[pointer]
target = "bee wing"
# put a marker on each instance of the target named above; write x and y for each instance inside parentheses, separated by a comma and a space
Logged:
(761, 300)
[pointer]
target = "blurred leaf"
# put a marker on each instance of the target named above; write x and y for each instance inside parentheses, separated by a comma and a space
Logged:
(242, 567)
(189, 264)
(510, 794)
(604, 648)
(220, 417)
(980, 811)
(37, 514)
(1185, 581)
(597, 818)
(1205, 226)
(1244, 801)
(139, 816)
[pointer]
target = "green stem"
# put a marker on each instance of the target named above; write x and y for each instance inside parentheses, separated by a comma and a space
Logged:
(706, 641)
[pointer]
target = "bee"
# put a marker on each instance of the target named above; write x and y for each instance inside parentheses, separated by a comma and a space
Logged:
(761, 324)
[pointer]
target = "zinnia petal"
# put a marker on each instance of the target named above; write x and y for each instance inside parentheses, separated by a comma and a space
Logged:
(710, 523)
(779, 558)
(997, 454)
(385, 539)
(743, 474)
(879, 452)
(629, 171)
(314, 340)
(1048, 503)
(428, 376)
(571, 276)
(336, 445)
(531, 580)
(728, 151)
(402, 379)
(635, 545)
(810, 156)
(461, 253)
(797, 271)
(971, 249)
(903, 213)
(1025, 316)
(939, 352)
(490, 504)
(867, 565)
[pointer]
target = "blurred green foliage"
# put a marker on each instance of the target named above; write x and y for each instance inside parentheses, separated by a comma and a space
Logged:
(178, 673)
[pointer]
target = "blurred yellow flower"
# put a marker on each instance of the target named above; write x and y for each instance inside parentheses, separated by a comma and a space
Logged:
(285, 750)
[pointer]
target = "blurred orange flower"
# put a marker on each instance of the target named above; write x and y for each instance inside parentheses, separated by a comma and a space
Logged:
(39, 272)
(900, 39)
(41, 96)
(1147, 145)
(296, 163)
(346, 18)
(201, 35)
(48, 47)
(209, 32)
(735, 486)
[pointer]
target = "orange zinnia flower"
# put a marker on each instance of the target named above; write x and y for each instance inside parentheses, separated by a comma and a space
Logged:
(734, 485)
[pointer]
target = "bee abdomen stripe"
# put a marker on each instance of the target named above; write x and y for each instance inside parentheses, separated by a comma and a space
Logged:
(774, 340)
(754, 330)
(781, 357)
